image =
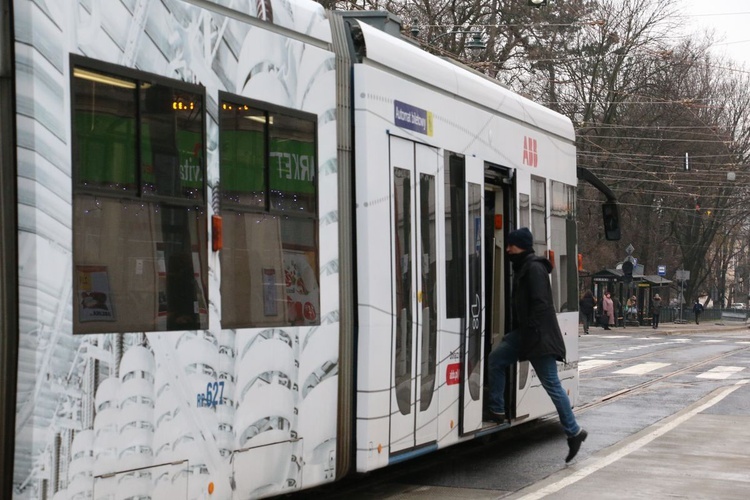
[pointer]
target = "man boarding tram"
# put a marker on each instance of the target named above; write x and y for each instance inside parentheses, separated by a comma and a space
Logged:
(535, 336)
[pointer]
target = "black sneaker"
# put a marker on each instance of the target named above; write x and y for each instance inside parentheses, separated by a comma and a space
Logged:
(493, 416)
(574, 444)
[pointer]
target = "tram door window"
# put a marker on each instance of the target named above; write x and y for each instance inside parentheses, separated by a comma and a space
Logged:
(428, 270)
(269, 208)
(474, 342)
(455, 235)
(404, 309)
(415, 277)
(139, 218)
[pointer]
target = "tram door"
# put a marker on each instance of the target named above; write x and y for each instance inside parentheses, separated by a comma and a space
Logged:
(414, 404)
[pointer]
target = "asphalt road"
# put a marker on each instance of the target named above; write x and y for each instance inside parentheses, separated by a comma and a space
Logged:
(635, 382)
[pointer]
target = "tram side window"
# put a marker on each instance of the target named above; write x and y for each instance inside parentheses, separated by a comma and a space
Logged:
(539, 215)
(269, 208)
(139, 219)
(455, 235)
(523, 201)
(563, 243)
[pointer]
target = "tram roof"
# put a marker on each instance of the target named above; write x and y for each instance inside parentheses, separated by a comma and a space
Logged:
(406, 58)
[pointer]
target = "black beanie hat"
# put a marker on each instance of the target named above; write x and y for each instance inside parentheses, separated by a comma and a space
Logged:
(521, 238)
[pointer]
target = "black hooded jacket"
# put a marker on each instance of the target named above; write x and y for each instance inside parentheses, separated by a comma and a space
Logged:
(533, 309)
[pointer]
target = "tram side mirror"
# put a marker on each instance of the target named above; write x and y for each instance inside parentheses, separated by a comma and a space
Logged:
(611, 220)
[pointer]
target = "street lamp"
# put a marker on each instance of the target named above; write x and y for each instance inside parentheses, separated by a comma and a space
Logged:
(476, 42)
(537, 3)
(414, 30)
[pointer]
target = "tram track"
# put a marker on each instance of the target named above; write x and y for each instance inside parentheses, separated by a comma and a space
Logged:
(635, 389)
(640, 357)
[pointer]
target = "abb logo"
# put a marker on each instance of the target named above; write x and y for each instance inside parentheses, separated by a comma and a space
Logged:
(530, 156)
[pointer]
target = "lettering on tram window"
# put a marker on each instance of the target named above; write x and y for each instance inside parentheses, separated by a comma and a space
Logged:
(139, 215)
(269, 207)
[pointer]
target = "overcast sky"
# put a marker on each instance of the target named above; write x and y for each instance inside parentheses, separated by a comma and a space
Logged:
(730, 18)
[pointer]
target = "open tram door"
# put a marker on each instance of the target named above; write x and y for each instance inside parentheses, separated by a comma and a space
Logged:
(480, 201)
(499, 217)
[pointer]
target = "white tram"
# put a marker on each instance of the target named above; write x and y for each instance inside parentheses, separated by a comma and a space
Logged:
(251, 247)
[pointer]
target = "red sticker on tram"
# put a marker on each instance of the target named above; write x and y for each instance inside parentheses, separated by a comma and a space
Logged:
(453, 374)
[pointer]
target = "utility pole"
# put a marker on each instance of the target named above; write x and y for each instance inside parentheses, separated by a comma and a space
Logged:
(682, 275)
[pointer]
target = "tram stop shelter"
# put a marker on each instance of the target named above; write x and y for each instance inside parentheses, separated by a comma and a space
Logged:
(642, 286)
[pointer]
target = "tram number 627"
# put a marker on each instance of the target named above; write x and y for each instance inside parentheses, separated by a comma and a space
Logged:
(213, 396)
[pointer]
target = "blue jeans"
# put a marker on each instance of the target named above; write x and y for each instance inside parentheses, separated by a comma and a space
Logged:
(545, 367)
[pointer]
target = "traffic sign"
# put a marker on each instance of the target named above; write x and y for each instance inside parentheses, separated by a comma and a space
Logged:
(683, 275)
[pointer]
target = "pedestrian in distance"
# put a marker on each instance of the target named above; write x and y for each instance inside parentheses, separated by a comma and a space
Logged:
(631, 309)
(535, 336)
(655, 311)
(697, 310)
(586, 305)
(618, 311)
(608, 311)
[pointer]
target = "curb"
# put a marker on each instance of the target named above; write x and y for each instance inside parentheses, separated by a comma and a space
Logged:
(679, 329)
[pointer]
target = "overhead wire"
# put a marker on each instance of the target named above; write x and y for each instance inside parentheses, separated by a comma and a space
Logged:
(650, 168)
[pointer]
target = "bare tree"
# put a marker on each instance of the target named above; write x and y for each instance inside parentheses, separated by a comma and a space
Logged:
(641, 99)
